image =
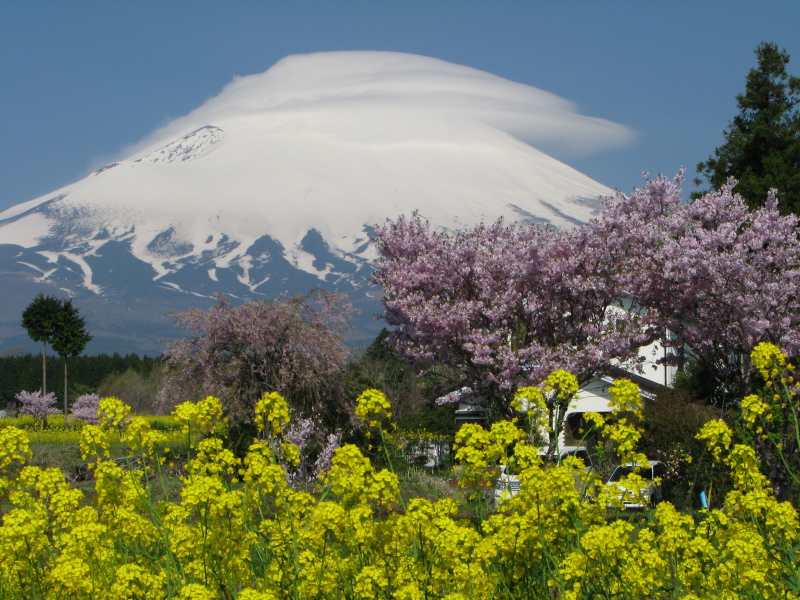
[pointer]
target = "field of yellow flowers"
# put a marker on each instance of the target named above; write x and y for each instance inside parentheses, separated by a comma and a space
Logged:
(240, 531)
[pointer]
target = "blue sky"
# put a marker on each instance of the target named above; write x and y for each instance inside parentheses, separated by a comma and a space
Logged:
(80, 81)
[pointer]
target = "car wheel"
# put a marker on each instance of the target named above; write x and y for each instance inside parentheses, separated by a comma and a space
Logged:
(655, 495)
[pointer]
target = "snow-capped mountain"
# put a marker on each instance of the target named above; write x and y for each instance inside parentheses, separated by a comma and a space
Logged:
(276, 184)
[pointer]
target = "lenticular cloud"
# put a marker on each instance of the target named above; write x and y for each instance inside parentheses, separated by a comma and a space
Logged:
(378, 97)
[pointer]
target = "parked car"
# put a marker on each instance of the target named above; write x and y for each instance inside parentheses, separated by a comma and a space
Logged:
(508, 484)
(655, 490)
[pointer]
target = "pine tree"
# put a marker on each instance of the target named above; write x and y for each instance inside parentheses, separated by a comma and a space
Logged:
(762, 143)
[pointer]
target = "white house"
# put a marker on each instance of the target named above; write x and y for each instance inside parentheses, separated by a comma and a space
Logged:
(595, 397)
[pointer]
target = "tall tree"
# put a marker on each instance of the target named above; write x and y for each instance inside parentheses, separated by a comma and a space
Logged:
(40, 320)
(70, 338)
(762, 142)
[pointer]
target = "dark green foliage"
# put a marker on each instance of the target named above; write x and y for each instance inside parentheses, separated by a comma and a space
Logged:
(412, 397)
(40, 318)
(698, 379)
(70, 337)
(19, 373)
(671, 422)
(762, 142)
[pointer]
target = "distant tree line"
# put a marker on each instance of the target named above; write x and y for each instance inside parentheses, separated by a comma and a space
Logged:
(87, 373)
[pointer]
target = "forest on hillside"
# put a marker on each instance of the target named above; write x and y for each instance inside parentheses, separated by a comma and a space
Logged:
(86, 373)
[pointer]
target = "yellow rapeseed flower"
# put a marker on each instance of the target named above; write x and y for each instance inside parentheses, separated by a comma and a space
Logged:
(14, 448)
(372, 406)
(768, 359)
(273, 411)
(718, 437)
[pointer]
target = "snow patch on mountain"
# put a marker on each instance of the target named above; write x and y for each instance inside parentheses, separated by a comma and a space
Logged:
(190, 147)
(26, 231)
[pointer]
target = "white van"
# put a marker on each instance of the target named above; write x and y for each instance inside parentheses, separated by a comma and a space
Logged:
(508, 484)
(655, 490)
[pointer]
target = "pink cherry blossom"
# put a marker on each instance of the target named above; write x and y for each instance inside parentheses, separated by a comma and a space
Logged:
(499, 306)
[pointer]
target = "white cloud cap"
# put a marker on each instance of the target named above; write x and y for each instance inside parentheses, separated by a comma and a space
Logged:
(366, 97)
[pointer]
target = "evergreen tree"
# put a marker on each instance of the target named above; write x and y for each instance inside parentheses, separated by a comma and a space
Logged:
(762, 143)
(40, 320)
(70, 338)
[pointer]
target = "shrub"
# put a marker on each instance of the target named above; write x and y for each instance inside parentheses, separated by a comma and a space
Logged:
(36, 405)
(85, 408)
(139, 391)
(671, 422)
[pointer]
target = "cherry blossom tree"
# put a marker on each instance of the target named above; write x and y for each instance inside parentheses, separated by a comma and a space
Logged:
(720, 278)
(85, 408)
(292, 345)
(502, 306)
(37, 405)
(496, 307)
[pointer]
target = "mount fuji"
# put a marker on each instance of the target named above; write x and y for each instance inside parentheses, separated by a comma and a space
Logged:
(277, 183)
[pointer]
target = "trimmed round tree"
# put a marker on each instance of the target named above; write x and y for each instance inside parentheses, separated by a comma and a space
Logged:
(40, 320)
(70, 338)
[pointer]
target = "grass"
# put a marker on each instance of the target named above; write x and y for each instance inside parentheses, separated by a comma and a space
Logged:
(423, 482)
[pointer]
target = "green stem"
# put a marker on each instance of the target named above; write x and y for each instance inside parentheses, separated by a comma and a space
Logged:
(389, 461)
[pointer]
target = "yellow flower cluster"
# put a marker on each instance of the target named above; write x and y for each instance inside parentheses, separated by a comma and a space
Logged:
(212, 459)
(353, 479)
(94, 443)
(479, 452)
(199, 419)
(14, 448)
(532, 400)
(625, 437)
(753, 409)
(238, 531)
(774, 417)
(372, 406)
(142, 440)
(562, 383)
(113, 413)
(624, 434)
(272, 410)
(769, 360)
(546, 406)
(717, 435)
(626, 398)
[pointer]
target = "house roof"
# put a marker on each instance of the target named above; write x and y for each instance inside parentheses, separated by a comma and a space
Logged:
(649, 388)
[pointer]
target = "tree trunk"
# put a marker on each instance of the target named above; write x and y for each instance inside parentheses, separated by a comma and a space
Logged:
(65, 391)
(44, 368)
